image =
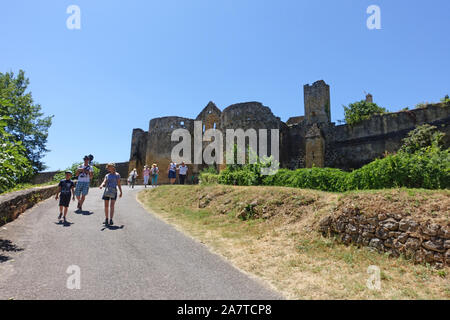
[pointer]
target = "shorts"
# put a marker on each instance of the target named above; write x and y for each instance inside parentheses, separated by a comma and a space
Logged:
(172, 174)
(82, 188)
(64, 200)
(108, 198)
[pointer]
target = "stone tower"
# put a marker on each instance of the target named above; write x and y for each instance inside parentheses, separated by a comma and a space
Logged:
(317, 114)
(317, 102)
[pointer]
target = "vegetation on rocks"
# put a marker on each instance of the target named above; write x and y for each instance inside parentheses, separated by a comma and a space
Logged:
(420, 163)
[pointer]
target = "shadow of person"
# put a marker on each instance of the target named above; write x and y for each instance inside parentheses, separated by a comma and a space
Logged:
(64, 224)
(112, 227)
(84, 213)
(7, 246)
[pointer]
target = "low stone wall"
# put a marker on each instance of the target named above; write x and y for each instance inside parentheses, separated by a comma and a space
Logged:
(423, 242)
(14, 203)
(43, 177)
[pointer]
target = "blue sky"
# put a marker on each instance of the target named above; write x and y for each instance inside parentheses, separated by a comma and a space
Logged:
(136, 60)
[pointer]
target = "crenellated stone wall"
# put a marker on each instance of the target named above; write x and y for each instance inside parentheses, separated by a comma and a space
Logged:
(305, 141)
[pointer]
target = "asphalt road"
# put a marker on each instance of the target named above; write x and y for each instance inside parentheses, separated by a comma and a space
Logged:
(142, 257)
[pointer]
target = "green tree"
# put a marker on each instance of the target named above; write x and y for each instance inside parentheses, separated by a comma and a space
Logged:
(14, 165)
(362, 110)
(25, 121)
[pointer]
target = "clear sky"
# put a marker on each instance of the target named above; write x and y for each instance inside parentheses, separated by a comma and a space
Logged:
(136, 60)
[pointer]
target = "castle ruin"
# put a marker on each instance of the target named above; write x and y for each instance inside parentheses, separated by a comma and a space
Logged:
(305, 141)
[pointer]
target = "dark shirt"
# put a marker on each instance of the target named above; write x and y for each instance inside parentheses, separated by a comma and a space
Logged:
(66, 186)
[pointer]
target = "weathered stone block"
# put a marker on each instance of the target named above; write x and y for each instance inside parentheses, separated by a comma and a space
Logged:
(431, 229)
(377, 244)
(403, 237)
(444, 232)
(437, 246)
(351, 229)
(390, 224)
(408, 225)
(382, 233)
(412, 244)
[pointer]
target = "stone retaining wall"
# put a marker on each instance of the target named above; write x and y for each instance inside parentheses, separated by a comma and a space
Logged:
(14, 203)
(423, 242)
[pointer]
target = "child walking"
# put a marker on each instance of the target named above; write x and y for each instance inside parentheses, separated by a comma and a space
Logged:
(66, 189)
(111, 182)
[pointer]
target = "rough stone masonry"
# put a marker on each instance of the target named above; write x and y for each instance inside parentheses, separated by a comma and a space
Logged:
(305, 141)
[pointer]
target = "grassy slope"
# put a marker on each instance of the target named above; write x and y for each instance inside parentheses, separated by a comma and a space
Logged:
(284, 248)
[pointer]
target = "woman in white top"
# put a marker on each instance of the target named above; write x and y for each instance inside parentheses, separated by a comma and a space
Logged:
(172, 170)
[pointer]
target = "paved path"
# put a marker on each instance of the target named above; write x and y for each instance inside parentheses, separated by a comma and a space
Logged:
(141, 258)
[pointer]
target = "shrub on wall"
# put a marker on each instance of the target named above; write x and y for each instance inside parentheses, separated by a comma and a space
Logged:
(362, 110)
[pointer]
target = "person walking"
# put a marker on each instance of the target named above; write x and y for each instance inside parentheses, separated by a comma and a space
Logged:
(133, 177)
(84, 174)
(172, 170)
(111, 183)
(146, 174)
(182, 172)
(154, 172)
(65, 191)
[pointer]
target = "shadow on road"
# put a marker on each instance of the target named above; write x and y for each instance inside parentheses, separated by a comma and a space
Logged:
(112, 227)
(84, 213)
(7, 246)
(64, 224)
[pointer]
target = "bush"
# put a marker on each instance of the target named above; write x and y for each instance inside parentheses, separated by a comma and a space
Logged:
(422, 137)
(208, 178)
(325, 179)
(362, 110)
(240, 177)
(428, 168)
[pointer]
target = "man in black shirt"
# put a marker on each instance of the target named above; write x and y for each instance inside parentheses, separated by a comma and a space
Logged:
(66, 189)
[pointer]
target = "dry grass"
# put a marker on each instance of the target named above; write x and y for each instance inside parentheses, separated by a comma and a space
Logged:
(280, 244)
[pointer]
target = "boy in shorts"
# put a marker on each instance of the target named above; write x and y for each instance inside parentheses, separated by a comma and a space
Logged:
(65, 191)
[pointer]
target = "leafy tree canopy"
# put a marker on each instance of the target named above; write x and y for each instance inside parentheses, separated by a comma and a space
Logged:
(14, 165)
(362, 110)
(24, 119)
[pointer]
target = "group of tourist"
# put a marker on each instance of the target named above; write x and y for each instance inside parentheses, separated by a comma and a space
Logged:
(146, 173)
(154, 172)
(85, 172)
